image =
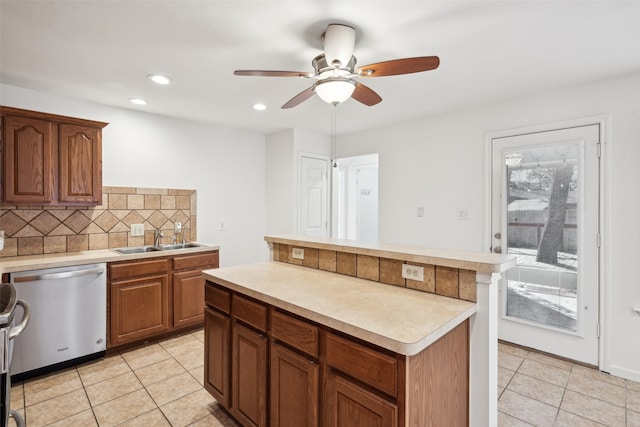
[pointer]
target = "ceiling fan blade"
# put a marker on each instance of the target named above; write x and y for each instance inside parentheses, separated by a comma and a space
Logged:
(266, 73)
(365, 95)
(399, 66)
(299, 98)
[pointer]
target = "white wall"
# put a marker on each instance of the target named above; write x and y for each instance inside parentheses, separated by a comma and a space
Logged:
(282, 175)
(225, 166)
(438, 163)
(280, 183)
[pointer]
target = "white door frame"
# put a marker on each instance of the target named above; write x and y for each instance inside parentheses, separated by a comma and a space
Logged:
(604, 295)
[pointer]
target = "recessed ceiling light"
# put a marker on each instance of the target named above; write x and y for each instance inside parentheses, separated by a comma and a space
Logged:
(159, 79)
(138, 101)
(259, 107)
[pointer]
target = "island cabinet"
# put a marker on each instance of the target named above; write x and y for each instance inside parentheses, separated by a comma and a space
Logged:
(319, 376)
(217, 350)
(294, 371)
(50, 160)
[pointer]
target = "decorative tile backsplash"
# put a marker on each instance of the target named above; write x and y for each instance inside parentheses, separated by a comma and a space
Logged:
(446, 281)
(56, 229)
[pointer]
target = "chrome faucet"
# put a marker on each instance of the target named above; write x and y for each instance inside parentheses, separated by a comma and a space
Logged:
(157, 235)
(177, 228)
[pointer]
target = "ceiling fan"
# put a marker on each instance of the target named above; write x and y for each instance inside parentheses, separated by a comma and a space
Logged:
(335, 70)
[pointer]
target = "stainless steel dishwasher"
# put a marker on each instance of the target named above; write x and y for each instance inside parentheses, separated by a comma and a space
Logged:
(68, 318)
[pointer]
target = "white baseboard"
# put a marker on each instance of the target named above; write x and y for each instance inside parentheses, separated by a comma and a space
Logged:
(625, 373)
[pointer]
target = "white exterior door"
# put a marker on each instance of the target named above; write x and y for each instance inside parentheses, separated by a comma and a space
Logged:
(314, 196)
(545, 211)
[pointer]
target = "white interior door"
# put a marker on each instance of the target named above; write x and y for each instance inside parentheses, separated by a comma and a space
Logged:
(545, 211)
(314, 206)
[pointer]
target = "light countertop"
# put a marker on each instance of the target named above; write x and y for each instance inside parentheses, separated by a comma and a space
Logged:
(399, 319)
(476, 261)
(37, 262)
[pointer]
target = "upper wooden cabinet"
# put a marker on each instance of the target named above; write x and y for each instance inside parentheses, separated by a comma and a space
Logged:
(80, 164)
(50, 160)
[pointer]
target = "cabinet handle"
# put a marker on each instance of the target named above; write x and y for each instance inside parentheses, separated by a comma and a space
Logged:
(61, 275)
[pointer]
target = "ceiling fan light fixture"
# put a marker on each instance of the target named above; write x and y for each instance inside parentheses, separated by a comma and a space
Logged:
(335, 91)
(339, 42)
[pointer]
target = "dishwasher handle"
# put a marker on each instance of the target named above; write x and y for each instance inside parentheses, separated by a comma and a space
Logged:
(26, 316)
(61, 275)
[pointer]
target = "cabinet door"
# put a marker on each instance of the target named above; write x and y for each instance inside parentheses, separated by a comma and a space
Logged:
(294, 389)
(348, 404)
(217, 330)
(139, 308)
(28, 160)
(188, 298)
(80, 160)
(248, 376)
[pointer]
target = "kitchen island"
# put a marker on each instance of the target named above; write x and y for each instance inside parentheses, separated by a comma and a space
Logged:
(322, 343)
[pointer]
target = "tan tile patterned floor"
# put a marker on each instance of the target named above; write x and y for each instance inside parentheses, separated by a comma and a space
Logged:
(537, 390)
(161, 384)
(158, 384)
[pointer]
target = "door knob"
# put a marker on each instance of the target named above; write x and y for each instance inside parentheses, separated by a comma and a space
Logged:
(498, 235)
(497, 249)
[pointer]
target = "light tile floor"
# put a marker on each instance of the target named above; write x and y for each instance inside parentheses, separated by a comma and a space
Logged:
(537, 390)
(158, 384)
(161, 384)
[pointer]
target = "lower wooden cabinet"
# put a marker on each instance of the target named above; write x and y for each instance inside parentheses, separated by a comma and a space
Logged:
(217, 376)
(188, 287)
(294, 388)
(316, 376)
(249, 376)
(138, 300)
(154, 296)
(348, 404)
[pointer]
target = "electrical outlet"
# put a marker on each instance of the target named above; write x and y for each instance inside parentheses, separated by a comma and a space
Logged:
(420, 212)
(413, 272)
(137, 230)
(297, 253)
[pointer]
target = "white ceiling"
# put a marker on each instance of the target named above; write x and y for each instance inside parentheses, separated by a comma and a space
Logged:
(102, 51)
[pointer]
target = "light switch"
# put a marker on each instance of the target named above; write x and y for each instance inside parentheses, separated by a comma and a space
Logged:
(463, 214)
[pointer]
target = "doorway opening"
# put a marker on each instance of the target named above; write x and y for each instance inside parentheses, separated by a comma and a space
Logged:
(355, 198)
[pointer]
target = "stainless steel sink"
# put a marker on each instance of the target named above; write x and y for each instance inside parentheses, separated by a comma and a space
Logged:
(137, 250)
(179, 246)
(144, 249)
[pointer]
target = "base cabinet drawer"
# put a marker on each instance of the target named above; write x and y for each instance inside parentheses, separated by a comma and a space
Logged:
(374, 368)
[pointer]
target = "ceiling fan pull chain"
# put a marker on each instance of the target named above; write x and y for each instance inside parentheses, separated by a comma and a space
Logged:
(333, 135)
